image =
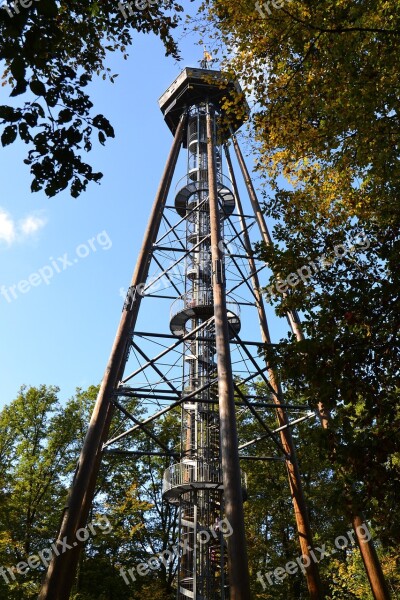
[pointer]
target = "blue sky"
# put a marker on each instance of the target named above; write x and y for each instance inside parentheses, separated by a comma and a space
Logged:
(61, 333)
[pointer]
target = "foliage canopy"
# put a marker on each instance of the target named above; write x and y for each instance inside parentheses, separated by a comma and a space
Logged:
(51, 51)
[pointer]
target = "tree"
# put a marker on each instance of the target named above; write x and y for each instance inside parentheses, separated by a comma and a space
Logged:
(326, 110)
(51, 51)
(325, 94)
(270, 523)
(39, 447)
(144, 526)
(40, 443)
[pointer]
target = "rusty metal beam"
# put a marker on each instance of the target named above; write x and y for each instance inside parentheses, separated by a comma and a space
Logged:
(172, 228)
(237, 552)
(152, 363)
(61, 572)
(189, 336)
(159, 413)
(371, 561)
(266, 435)
(145, 429)
(164, 352)
(292, 316)
(296, 487)
(255, 414)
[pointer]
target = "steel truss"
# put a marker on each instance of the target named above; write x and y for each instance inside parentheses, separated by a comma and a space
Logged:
(203, 358)
(153, 373)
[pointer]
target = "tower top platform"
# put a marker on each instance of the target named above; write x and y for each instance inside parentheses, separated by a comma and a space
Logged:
(194, 86)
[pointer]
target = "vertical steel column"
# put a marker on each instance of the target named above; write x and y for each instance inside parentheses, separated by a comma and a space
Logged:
(246, 242)
(292, 317)
(201, 503)
(60, 575)
(370, 558)
(295, 483)
(371, 561)
(237, 551)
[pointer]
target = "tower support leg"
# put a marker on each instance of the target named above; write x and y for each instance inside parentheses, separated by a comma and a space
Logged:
(370, 558)
(60, 575)
(237, 552)
(295, 483)
(292, 316)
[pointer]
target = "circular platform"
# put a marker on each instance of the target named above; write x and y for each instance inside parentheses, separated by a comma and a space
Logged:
(182, 199)
(184, 477)
(190, 475)
(173, 494)
(190, 310)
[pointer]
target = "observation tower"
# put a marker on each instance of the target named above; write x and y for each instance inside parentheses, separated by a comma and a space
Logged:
(196, 482)
(184, 348)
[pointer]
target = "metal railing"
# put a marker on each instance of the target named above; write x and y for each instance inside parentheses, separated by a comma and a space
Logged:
(191, 472)
(202, 298)
(185, 473)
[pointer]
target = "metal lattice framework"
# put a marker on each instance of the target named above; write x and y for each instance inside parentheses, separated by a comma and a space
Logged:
(198, 270)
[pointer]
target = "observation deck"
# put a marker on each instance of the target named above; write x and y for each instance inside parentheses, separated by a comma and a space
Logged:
(189, 306)
(194, 475)
(188, 197)
(194, 86)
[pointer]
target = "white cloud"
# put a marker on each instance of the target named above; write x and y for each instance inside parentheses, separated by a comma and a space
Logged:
(7, 228)
(11, 232)
(31, 224)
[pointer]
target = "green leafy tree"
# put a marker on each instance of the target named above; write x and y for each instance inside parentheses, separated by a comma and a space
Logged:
(323, 81)
(50, 52)
(143, 525)
(40, 444)
(38, 450)
(270, 524)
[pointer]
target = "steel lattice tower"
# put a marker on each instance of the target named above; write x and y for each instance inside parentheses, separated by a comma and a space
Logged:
(196, 482)
(201, 246)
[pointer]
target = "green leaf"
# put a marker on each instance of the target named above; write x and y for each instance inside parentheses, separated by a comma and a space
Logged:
(37, 87)
(17, 68)
(39, 109)
(52, 97)
(101, 122)
(31, 118)
(20, 88)
(24, 133)
(84, 79)
(76, 187)
(9, 114)
(48, 8)
(64, 116)
(9, 135)
(36, 186)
